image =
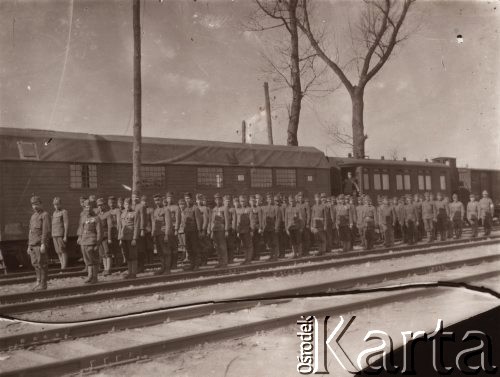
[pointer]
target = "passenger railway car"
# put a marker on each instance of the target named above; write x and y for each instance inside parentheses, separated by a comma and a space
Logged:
(395, 177)
(477, 180)
(69, 165)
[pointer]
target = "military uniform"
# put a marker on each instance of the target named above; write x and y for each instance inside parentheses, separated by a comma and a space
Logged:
(191, 226)
(141, 213)
(457, 213)
(114, 216)
(305, 212)
(411, 221)
(473, 216)
(386, 221)
(319, 225)
(442, 217)
(173, 241)
(38, 241)
(128, 233)
(369, 222)
(60, 233)
(90, 239)
(242, 226)
(429, 213)
(161, 228)
(255, 214)
(343, 223)
(202, 214)
(219, 228)
(106, 223)
(486, 214)
(294, 226)
(231, 243)
(270, 226)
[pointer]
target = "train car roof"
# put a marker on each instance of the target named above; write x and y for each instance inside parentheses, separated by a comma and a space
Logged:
(56, 146)
(350, 161)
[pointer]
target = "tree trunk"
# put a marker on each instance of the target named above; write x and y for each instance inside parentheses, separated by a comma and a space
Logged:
(293, 121)
(358, 128)
(136, 154)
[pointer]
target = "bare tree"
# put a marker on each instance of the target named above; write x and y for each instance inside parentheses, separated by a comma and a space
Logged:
(394, 153)
(292, 66)
(378, 29)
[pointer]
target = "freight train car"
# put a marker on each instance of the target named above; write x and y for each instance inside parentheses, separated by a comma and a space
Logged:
(68, 165)
(394, 177)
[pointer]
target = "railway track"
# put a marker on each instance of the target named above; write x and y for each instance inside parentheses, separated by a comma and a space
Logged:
(34, 301)
(94, 359)
(28, 276)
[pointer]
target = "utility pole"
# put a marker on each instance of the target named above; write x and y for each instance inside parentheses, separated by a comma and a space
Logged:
(243, 132)
(268, 114)
(136, 153)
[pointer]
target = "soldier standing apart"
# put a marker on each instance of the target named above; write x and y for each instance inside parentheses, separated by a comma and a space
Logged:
(90, 239)
(106, 223)
(428, 215)
(343, 223)
(443, 215)
(191, 226)
(319, 223)
(128, 232)
(305, 215)
(173, 240)
(161, 228)
(457, 213)
(219, 230)
(114, 216)
(38, 240)
(387, 221)
(60, 232)
(294, 224)
(269, 226)
(473, 214)
(486, 209)
(242, 226)
(411, 221)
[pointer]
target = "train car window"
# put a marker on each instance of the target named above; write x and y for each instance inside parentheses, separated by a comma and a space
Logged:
(399, 182)
(366, 180)
(211, 177)
(286, 177)
(83, 176)
(428, 185)
(385, 181)
(27, 150)
(407, 182)
(442, 182)
(424, 180)
(377, 184)
(153, 176)
(261, 178)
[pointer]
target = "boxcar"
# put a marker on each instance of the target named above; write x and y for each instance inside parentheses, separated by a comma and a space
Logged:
(394, 177)
(68, 165)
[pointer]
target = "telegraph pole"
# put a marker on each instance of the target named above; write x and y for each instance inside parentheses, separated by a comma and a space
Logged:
(268, 114)
(136, 153)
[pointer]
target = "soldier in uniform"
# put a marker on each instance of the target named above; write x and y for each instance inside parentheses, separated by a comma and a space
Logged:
(443, 214)
(328, 225)
(161, 228)
(60, 232)
(333, 214)
(294, 225)
(486, 209)
(141, 214)
(343, 223)
(90, 238)
(148, 229)
(428, 215)
(243, 229)
(128, 232)
(473, 214)
(38, 243)
(319, 218)
(119, 203)
(269, 226)
(369, 223)
(202, 214)
(352, 201)
(358, 219)
(191, 226)
(113, 244)
(231, 235)
(282, 237)
(387, 221)
(219, 229)
(411, 221)
(82, 201)
(417, 202)
(457, 213)
(106, 223)
(305, 215)
(255, 227)
(173, 241)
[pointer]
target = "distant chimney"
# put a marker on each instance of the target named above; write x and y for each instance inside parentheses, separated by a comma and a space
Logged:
(382, 158)
(349, 155)
(426, 160)
(404, 158)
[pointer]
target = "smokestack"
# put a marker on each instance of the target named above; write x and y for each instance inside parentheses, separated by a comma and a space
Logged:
(243, 132)
(268, 114)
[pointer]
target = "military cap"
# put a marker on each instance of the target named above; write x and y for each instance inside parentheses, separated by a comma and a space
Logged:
(341, 196)
(86, 203)
(268, 194)
(300, 193)
(92, 198)
(83, 198)
(156, 196)
(243, 196)
(111, 198)
(100, 202)
(57, 200)
(199, 196)
(227, 197)
(35, 200)
(144, 197)
(127, 200)
(217, 195)
(188, 195)
(181, 200)
(472, 194)
(258, 196)
(120, 199)
(317, 195)
(169, 194)
(485, 192)
(252, 196)
(322, 195)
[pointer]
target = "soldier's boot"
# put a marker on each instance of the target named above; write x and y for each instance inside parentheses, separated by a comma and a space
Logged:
(43, 279)
(89, 276)
(163, 265)
(107, 266)
(167, 262)
(95, 272)
(128, 272)
(37, 284)
(134, 266)
(64, 261)
(173, 260)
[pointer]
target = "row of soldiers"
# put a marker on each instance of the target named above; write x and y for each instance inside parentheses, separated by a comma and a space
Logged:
(247, 224)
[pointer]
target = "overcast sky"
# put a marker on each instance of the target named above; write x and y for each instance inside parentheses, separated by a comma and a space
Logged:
(68, 66)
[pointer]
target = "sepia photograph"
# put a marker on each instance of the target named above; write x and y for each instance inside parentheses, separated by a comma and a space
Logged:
(240, 188)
